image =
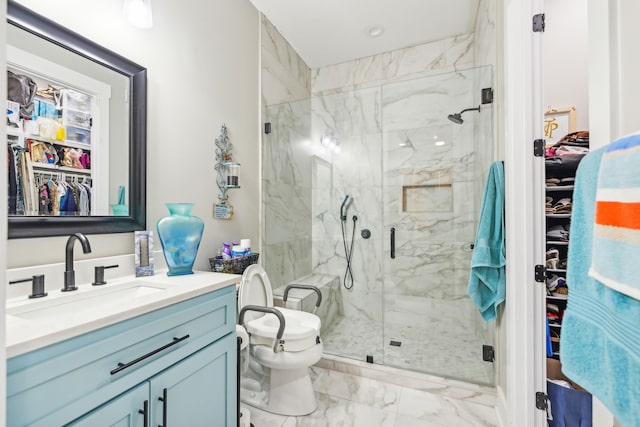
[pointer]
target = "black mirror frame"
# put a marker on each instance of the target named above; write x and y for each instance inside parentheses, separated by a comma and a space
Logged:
(29, 227)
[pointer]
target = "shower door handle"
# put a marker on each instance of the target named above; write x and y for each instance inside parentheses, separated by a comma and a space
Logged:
(393, 242)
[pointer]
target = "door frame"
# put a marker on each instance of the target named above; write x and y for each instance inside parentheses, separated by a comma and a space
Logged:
(520, 327)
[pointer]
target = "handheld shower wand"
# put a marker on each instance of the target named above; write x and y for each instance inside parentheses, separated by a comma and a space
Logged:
(348, 247)
(344, 207)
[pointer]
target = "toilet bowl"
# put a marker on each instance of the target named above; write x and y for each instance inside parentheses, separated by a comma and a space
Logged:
(283, 344)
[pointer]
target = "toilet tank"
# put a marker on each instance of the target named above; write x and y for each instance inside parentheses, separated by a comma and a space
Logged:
(305, 299)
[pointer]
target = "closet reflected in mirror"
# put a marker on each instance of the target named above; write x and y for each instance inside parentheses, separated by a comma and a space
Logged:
(67, 131)
(76, 132)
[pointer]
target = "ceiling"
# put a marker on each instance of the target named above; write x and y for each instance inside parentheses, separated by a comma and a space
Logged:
(326, 32)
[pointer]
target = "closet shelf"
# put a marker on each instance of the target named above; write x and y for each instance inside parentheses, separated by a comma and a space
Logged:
(65, 143)
(60, 168)
(558, 297)
(560, 188)
(557, 243)
(558, 215)
(556, 270)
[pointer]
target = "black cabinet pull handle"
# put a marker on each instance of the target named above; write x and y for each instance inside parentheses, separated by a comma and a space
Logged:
(393, 242)
(122, 366)
(163, 399)
(145, 413)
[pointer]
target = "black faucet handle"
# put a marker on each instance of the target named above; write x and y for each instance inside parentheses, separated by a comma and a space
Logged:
(99, 274)
(37, 285)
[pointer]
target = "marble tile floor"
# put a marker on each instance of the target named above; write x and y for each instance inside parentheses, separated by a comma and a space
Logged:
(347, 400)
(457, 355)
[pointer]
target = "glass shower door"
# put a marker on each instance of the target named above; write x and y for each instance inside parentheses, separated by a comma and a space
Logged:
(352, 167)
(433, 178)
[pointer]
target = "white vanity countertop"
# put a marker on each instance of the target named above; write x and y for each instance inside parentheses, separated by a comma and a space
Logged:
(36, 323)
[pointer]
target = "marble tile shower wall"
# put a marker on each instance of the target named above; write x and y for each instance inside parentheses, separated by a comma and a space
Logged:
(285, 76)
(423, 60)
(286, 93)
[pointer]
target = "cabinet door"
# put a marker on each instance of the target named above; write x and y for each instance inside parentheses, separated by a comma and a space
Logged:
(123, 411)
(198, 391)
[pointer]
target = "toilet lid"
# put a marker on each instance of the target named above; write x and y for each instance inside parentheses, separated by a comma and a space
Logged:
(255, 289)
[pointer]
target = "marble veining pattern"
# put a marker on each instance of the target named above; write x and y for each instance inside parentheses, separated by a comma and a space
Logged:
(484, 46)
(286, 150)
(346, 400)
(286, 261)
(285, 76)
(419, 61)
(347, 114)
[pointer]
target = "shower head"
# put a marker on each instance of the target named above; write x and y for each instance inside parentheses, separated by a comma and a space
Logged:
(457, 117)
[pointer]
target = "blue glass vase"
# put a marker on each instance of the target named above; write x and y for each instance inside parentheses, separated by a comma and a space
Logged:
(180, 235)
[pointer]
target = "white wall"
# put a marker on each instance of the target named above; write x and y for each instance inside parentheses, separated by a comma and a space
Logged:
(613, 90)
(565, 58)
(613, 69)
(626, 34)
(203, 70)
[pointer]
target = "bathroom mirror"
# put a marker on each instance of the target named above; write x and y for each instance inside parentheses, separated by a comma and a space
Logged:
(113, 136)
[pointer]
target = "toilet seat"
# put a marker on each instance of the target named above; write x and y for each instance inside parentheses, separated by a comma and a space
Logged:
(300, 333)
(302, 329)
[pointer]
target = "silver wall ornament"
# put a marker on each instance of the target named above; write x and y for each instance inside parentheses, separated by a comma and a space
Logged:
(227, 177)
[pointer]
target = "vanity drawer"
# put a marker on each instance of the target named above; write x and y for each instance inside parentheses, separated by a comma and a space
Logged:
(51, 386)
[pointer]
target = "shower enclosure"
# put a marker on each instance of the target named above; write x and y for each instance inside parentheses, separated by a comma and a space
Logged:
(415, 180)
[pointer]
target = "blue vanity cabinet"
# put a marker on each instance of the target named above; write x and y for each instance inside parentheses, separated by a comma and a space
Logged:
(123, 411)
(104, 377)
(191, 393)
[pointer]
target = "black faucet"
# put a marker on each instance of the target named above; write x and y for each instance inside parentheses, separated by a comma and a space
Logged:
(69, 273)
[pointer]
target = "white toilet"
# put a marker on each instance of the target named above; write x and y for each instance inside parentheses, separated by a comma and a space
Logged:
(275, 377)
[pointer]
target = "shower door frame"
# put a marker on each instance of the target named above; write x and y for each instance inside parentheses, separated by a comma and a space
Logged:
(451, 171)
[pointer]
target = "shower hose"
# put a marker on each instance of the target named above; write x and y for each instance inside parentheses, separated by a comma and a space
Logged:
(348, 252)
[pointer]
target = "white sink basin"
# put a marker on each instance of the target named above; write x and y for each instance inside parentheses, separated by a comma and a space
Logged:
(80, 304)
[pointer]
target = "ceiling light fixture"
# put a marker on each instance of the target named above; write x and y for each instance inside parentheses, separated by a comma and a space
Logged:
(375, 31)
(138, 13)
(440, 143)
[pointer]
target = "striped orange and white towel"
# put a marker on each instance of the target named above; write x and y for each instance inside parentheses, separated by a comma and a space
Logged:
(616, 239)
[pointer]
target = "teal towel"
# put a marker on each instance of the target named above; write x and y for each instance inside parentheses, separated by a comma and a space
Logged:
(487, 283)
(600, 340)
